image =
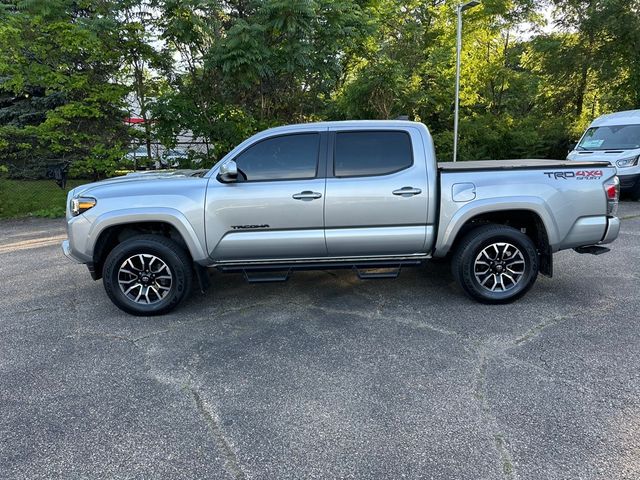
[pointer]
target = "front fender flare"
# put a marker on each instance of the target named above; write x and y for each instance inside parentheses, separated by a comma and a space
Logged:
(173, 217)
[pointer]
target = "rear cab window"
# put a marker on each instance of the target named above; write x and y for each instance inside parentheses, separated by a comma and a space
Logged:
(370, 152)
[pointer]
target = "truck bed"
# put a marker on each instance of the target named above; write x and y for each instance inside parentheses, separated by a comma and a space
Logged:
(516, 164)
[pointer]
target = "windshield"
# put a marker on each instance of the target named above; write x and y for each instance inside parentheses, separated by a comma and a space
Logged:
(615, 137)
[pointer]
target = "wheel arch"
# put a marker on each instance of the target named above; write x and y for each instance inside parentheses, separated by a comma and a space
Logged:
(115, 227)
(534, 221)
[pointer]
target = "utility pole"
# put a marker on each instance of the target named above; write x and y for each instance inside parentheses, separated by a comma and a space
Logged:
(459, 9)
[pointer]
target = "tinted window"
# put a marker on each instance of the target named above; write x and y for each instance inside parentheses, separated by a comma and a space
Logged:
(617, 137)
(371, 153)
(281, 158)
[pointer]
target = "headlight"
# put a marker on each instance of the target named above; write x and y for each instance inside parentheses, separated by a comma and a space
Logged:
(627, 162)
(81, 204)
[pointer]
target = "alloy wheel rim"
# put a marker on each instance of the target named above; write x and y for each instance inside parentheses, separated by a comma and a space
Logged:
(145, 279)
(499, 267)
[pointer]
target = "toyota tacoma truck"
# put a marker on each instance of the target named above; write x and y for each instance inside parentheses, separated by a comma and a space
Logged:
(367, 195)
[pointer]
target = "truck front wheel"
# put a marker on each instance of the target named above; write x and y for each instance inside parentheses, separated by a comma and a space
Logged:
(147, 275)
(495, 264)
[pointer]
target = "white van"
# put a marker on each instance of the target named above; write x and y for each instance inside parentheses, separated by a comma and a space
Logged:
(615, 138)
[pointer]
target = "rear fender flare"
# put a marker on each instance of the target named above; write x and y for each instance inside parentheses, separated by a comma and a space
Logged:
(448, 233)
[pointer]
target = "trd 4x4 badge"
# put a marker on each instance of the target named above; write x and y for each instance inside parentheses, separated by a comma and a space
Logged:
(579, 175)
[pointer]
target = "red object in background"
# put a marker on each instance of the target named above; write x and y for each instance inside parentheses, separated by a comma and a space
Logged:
(134, 120)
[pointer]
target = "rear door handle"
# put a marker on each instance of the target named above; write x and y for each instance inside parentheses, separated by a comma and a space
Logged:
(407, 191)
(307, 195)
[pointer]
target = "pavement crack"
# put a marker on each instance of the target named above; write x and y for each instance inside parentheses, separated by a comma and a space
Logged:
(339, 311)
(429, 326)
(224, 445)
(480, 393)
(381, 305)
(505, 455)
(480, 381)
(108, 336)
(536, 330)
(547, 374)
(151, 334)
(31, 310)
(404, 321)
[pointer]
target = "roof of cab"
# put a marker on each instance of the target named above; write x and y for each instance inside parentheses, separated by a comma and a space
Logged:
(628, 117)
(346, 124)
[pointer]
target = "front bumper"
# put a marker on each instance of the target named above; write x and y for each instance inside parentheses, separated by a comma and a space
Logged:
(77, 234)
(66, 249)
(72, 254)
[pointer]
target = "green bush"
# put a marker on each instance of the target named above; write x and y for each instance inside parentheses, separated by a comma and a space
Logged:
(33, 198)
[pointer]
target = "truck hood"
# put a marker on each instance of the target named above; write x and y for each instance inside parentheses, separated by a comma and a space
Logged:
(602, 155)
(137, 179)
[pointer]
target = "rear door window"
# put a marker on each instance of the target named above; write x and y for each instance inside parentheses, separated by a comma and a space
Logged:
(366, 153)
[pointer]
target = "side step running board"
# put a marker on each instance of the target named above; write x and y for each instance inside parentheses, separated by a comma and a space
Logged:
(266, 276)
(592, 249)
(282, 272)
(377, 273)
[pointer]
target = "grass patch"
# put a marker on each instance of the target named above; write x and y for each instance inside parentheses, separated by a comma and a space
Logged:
(34, 198)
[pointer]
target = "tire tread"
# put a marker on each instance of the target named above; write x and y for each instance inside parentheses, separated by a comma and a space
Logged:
(468, 245)
(148, 241)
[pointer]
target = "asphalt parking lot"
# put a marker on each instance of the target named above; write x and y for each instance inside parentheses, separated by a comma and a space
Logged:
(324, 376)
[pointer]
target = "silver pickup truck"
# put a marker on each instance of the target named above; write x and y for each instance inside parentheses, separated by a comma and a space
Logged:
(368, 195)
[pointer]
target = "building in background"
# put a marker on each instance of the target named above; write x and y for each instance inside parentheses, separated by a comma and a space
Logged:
(186, 146)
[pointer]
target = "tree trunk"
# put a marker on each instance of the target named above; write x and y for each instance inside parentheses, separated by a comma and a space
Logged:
(142, 102)
(582, 88)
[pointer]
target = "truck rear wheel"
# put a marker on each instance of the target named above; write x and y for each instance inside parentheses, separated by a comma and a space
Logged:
(495, 264)
(147, 275)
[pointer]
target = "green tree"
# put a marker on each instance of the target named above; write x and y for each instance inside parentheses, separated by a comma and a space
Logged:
(143, 61)
(60, 101)
(223, 70)
(252, 65)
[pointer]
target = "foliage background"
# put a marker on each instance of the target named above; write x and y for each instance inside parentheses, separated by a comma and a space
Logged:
(534, 73)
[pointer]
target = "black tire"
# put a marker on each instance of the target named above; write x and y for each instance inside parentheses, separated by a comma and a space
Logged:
(634, 194)
(175, 259)
(469, 261)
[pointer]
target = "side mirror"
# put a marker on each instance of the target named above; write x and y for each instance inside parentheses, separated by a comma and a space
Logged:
(228, 172)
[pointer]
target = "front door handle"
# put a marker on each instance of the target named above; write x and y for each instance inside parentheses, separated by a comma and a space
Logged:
(407, 191)
(307, 195)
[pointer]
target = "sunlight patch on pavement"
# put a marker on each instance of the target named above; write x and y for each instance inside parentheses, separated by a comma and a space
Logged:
(33, 243)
